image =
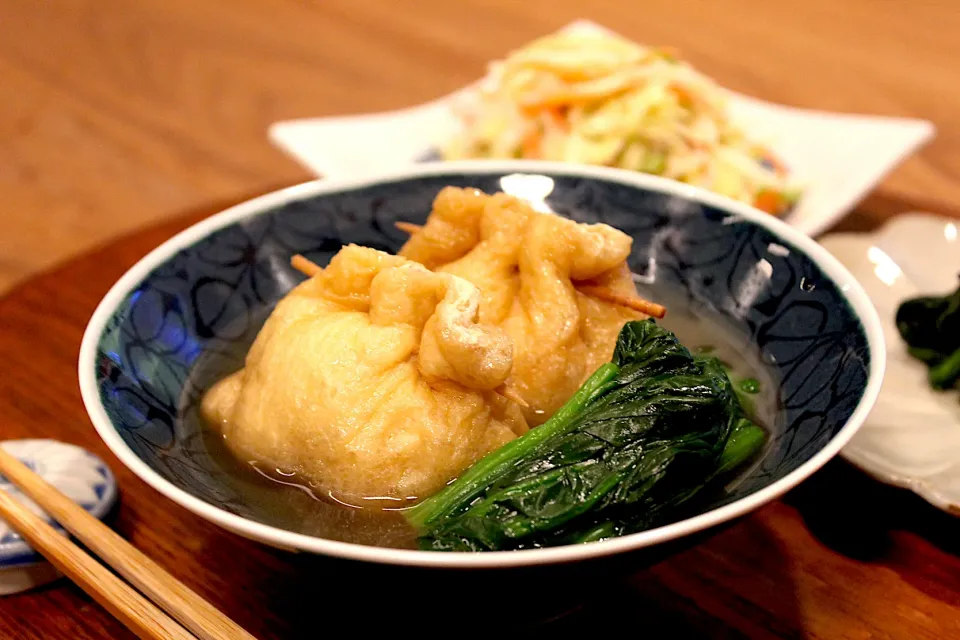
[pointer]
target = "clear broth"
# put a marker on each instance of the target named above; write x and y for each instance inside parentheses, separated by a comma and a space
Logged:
(288, 502)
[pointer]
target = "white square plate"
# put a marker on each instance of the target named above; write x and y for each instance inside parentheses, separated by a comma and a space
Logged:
(836, 158)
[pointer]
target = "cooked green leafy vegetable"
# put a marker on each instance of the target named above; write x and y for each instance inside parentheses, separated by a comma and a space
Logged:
(930, 325)
(643, 434)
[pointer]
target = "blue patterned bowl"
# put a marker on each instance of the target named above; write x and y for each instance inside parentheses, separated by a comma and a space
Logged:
(209, 288)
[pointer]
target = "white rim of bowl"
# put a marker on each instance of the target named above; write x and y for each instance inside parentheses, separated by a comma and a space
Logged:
(282, 538)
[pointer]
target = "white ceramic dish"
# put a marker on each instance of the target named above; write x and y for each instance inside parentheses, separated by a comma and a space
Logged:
(838, 158)
(912, 437)
(853, 296)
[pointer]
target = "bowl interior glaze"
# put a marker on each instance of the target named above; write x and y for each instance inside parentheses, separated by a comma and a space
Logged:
(212, 293)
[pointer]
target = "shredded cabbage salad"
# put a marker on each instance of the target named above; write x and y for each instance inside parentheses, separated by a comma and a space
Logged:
(596, 98)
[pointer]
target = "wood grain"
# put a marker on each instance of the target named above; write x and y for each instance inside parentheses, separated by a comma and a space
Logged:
(167, 596)
(122, 601)
(841, 557)
(116, 115)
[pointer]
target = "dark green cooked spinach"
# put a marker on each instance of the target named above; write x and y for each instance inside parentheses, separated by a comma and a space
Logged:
(930, 325)
(643, 434)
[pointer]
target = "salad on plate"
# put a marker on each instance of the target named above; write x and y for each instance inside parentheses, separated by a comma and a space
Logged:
(594, 97)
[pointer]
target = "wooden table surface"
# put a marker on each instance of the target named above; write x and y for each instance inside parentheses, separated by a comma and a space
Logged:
(117, 116)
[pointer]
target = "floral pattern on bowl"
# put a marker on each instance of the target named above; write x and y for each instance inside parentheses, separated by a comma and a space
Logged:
(912, 437)
(205, 293)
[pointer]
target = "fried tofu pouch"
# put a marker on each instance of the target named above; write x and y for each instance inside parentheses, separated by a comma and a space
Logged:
(528, 266)
(371, 379)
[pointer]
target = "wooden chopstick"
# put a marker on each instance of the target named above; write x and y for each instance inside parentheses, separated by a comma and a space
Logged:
(129, 607)
(169, 594)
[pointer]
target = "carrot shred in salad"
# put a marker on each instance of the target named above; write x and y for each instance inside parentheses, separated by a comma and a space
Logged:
(595, 98)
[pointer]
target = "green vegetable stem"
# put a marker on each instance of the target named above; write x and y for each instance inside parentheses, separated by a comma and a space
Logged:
(946, 373)
(496, 464)
(930, 325)
(744, 441)
(645, 433)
